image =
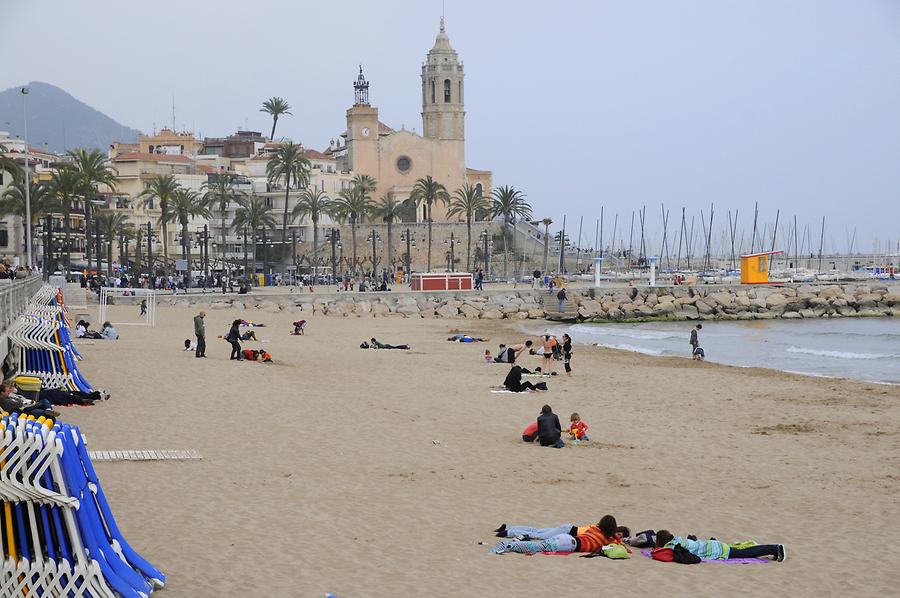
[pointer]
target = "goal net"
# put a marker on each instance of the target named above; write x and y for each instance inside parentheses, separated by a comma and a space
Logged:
(108, 295)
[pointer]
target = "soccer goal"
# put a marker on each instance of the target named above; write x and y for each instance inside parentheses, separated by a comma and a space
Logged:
(149, 319)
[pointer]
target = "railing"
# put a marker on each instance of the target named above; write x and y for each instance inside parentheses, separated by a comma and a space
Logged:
(14, 296)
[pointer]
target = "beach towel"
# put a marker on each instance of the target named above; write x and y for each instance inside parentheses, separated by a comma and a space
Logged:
(647, 553)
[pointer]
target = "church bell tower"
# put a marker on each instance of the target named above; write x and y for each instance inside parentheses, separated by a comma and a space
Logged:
(443, 91)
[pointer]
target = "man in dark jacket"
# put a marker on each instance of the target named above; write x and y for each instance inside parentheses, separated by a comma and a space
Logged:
(549, 431)
(200, 332)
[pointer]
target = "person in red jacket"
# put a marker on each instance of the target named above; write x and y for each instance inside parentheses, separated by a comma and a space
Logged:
(564, 538)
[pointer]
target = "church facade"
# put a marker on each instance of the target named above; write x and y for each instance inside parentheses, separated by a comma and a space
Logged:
(397, 159)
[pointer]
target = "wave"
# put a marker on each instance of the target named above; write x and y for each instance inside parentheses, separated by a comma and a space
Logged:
(841, 354)
(641, 335)
(634, 349)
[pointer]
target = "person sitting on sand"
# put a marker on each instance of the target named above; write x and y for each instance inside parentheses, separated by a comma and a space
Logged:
(299, 328)
(109, 332)
(698, 354)
(711, 550)
(374, 344)
(514, 381)
(465, 338)
(81, 329)
(250, 335)
(88, 333)
(254, 355)
(488, 358)
(577, 428)
(549, 432)
(564, 538)
(14, 403)
(189, 345)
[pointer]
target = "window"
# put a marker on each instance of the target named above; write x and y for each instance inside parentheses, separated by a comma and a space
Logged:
(269, 202)
(151, 149)
(424, 213)
(1, 179)
(432, 91)
(479, 190)
(459, 97)
(4, 237)
(446, 91)
(763, 265)
(404, 164)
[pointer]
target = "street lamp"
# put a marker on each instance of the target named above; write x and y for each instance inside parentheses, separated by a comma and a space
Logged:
(374, 237)
(28, 231)
(451, 257)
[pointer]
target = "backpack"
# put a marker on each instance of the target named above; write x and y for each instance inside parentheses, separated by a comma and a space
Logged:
(561, 294)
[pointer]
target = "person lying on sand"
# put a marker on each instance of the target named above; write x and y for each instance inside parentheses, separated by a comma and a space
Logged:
(11, 402)
(465, 338)
(712, 549)
(564, 538)
(375, 344)
(189, 345)
(250, 335)
(254, 355)
(514, 381)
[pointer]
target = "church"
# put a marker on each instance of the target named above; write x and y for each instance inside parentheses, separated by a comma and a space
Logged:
(397, 159)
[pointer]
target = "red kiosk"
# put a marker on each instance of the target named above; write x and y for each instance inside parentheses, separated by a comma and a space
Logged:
(441, 281)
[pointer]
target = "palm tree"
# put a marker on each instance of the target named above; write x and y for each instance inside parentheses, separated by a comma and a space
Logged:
(185, 205)
(510, 203)
(389, 210)
(429, 191)
(353, 205)
(221, 193)
(127, 234)
(64, 187)
(275, 107)
(110, 224)
(138, 243)
(254, 214)
(364, 182)
(467, 200)
(287, 165)
(161, 189)
(313, 204)
(9, 165)
(546, 222)
(41, 199)
(94, 170)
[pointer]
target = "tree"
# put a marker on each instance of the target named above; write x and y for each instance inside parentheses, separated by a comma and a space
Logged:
(41, 199)
(220, 193)
(428, 191)
(546, 222)
(254, 214)
(9, 165)
(64, 188)
(509, 203)
(127, 234)
(185, 205)
(94, 170)
(161, 189)
(110, 225)
(364, 182)
(139, 234)
(275, 107)
(287, 165)
(353, 205)
(466, 201)
(313, 204)
(389, 210)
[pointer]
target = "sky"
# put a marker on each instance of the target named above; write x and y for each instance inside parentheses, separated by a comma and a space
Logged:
(791, 104)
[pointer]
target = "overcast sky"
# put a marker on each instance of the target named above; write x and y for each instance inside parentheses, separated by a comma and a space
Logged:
(794, 104)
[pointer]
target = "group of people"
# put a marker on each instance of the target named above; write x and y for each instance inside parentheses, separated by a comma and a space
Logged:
(547, 430)
(234, 337)
(598, 538)
(108, 332)
(42, 405)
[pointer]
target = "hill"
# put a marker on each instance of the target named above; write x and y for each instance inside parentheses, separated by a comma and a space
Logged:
(59, 121)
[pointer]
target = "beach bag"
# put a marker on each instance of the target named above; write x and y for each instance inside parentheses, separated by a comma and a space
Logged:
(364, 345)
(684, 556)
(666, 555)
(541, 386)
(615, 551)
(644, 539)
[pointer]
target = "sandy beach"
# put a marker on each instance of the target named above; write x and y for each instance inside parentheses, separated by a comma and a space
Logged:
(377, 473)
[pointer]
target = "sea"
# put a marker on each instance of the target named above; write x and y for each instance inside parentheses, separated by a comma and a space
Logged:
(859, 348)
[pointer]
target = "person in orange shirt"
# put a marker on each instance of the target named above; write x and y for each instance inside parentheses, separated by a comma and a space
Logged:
(564, 538)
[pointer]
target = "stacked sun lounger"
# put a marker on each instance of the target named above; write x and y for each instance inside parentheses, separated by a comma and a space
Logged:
(41, 336)
(59, 535)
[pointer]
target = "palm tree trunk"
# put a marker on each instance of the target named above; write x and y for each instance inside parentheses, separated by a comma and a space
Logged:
(468, 242)
(287, 193)
(315, 263)
(223, 240)
(274, 122)
(68, 248)
(505, 251)
(165, 244)
(390, 249)
(429, 236)
(546, 245)
(253, 269)
(353, 234)
(87, 232)
(185, 254)
(109, 271)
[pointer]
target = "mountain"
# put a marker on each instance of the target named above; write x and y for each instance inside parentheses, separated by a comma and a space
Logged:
(58, 121)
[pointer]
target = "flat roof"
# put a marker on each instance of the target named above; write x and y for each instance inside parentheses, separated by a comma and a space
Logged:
(762, 253)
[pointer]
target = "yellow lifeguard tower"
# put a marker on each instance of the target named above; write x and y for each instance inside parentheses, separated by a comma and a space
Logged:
(755, 267)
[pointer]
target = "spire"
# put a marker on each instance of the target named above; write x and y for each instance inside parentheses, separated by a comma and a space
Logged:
(361, 90)
(442, 41)
(442, 24)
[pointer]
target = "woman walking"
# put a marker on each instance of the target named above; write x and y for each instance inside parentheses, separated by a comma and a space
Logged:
(567, 354)
(234, 337)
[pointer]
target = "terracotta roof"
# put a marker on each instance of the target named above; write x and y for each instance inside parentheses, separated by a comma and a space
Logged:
(205, 169)
(135, 156)
(475, 171)
(312, 154)
(383, 128)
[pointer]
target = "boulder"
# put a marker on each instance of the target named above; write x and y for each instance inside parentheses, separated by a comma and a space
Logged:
(652, 300)
(704, 308)
(721, 298)
(791, 315)
(509, 308)
(615, 314)
(590, 308)
(363, 307)
(447, 311)
(765, 315)
(219, 305)
(408, 310)
(847, 311)
(380, 309)
(745, 315)
(645, 311)
(536, 313)
(519, 315)
(273, 309)
(891, 299)
(664, 308)
(468, 311)
(491, 314)
(666, 299)
(808, 313)
(686, 301)
(775, 299)
(869, 313)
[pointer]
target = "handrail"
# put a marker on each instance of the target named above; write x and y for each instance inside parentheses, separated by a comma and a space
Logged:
(14, 296)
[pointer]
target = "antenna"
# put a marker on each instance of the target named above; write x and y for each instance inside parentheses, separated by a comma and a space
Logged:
(173, 111)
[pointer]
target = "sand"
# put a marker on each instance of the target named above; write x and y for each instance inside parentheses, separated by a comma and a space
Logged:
(377, 473)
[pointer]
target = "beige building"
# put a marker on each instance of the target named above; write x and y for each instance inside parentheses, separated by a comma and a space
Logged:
(397, 159)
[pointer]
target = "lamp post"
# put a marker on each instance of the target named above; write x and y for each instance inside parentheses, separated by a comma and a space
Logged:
(334, 234)
(245, 252)
(451, 258)
(149, 251)
(408, 251)
(205, 255)
(28, 231)
(374, 237)
(293, 253)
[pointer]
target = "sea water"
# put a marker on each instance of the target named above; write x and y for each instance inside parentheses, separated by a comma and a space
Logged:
(859, 348)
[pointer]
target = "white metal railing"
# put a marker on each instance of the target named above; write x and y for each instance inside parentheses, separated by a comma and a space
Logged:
(14, 296)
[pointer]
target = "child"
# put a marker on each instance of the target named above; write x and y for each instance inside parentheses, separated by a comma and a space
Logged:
(710, 550)
(143, 307)
(578, 429)
(698, 353)
(189, 345)
(250, 335)
(299, 327)
(488, 358)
